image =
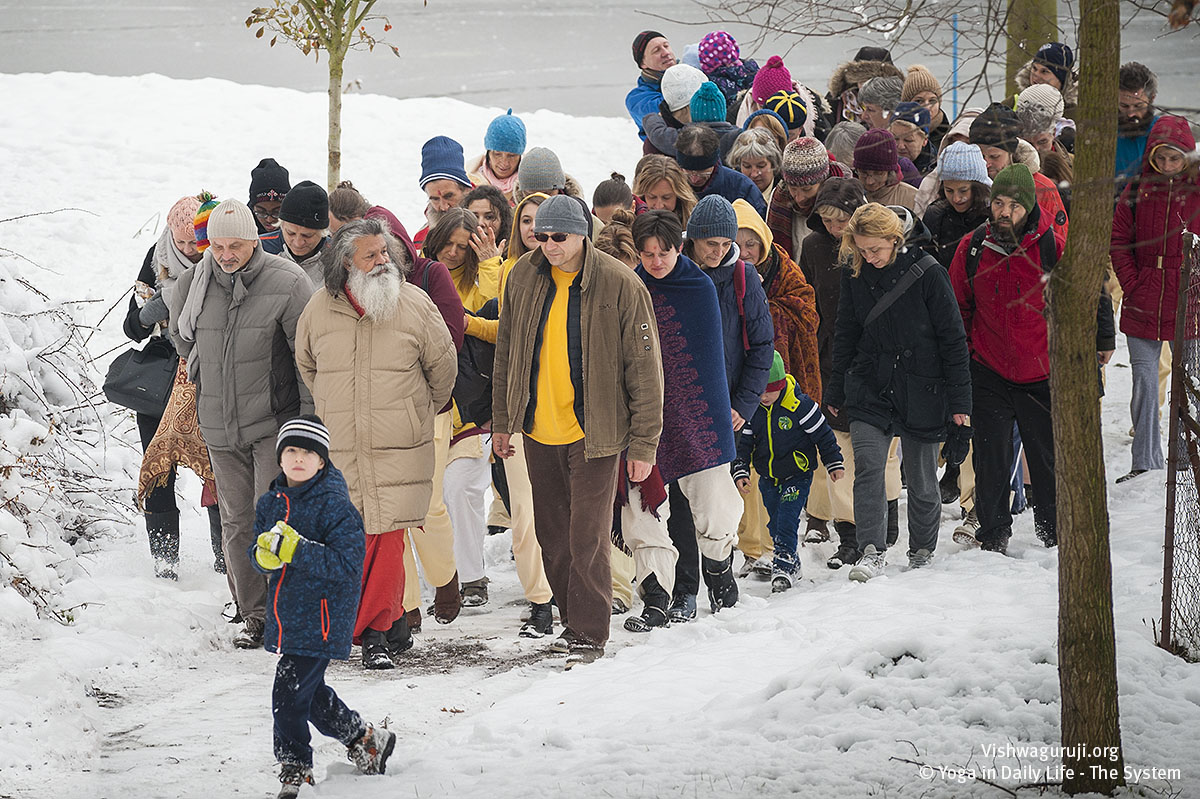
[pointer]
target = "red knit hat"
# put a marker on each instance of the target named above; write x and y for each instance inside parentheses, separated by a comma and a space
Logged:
(774, 77)
(876, 152)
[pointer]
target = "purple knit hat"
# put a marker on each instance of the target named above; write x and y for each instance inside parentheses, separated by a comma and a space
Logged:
(876, 152)
(718, 49)
(774, 77)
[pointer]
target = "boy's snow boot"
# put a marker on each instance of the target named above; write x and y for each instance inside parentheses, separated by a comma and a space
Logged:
(399, 638)
(683, 608)
(214, 534)
(847, 552)
(949, 484)
(370, 752)
(718, 576)
(656, 602)
(292, 776)
(541, 621)
(375, 654)
(163, 531)
(893, 524)
(447, 601)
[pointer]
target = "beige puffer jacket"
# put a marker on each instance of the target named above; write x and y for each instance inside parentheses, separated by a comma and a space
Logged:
(377, 387)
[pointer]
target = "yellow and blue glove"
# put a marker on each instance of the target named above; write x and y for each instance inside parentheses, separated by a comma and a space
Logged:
(277, 546)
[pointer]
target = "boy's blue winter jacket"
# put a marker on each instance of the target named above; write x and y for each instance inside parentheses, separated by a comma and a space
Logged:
(312, 602)
(783, 439)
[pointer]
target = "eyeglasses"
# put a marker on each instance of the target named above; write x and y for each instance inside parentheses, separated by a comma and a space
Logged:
(558, 238)
(265, 215)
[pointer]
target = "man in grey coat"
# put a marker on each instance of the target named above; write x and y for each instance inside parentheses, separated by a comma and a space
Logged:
(233, 319)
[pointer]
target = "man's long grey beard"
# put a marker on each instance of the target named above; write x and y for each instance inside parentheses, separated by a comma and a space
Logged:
(377, 292)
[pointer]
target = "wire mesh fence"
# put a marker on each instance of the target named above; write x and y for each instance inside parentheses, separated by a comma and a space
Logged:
(1180, 631)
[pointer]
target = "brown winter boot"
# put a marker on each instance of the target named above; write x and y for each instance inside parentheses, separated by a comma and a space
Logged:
(414, 620)
(447, 601)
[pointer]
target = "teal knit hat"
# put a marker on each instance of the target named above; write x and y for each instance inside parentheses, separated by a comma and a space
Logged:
(708, 104)
(1016, 181)
(777, 377)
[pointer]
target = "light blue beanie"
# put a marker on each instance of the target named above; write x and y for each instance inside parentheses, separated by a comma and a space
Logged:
(962, 161)
(505, 134)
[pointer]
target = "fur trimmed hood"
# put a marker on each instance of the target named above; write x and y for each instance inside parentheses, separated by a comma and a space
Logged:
(857, 73)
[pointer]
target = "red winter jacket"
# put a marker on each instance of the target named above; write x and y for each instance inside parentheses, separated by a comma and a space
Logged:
(1147, 245)
(1003, 308)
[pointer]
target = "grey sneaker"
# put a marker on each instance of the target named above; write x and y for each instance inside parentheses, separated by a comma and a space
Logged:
(583, 652)
(869, 566)
(919, 559)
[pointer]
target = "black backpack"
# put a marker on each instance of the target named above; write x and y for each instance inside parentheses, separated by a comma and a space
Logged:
(473, 386)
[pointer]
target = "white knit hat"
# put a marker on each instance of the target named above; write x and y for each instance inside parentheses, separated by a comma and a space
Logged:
(232, 219)
(962, 161)
(679, 83)
(1039, 108)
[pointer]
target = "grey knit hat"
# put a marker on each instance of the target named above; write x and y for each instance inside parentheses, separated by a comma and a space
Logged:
(560, 214)
(962, 161)
(881, 91)
(540, 170)
(1039, 107)
(713, 217)
(232, 219)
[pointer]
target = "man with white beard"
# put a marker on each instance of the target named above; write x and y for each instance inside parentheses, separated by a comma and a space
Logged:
(380, 363)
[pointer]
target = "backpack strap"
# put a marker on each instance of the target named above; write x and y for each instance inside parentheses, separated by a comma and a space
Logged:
(906, 281)
(739, 288)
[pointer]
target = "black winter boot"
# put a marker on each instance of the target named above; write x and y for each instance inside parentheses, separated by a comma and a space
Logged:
(718, 576)
(893, 527)
(375, 654)
(399, 637)
(656, 602)
(163, 531)
(214, 534)
(847, 552)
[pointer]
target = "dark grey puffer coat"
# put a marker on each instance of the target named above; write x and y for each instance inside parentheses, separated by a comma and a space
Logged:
(247, 383)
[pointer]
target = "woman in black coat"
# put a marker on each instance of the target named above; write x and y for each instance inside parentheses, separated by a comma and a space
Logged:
(902, 370)
(170, 256)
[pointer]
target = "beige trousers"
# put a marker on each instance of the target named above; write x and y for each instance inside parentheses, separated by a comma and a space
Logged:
(434, 542)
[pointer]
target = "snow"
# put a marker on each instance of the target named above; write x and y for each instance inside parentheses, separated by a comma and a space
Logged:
(817, 692)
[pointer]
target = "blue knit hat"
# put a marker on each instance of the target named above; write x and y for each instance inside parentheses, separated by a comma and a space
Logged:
(713, 217)
(768, 112)
(1056, 57)
(913, 114)
(962, 161)
(505, 134)
(708, 104)
(442, 159)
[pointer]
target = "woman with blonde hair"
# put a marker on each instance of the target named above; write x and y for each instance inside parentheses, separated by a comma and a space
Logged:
(900, 368)
(660, 185)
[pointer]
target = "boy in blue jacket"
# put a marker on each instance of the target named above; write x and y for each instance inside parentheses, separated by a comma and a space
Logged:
(311, 546)
(782, 439)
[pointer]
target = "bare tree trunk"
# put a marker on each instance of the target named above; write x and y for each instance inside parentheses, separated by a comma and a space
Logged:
(1031, 23)
(1091, 732)
(336, 61)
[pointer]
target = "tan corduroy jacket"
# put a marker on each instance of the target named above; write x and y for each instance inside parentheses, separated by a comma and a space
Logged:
(620, 368)
(377, 387)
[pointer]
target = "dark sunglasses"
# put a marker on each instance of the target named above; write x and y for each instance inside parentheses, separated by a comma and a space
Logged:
(559, 238)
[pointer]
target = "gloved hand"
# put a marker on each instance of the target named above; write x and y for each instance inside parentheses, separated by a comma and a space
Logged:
(958, 442)
(277, 546)
(154, 311)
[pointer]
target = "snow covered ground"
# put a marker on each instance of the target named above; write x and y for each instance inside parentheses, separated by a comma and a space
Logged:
(812, 693)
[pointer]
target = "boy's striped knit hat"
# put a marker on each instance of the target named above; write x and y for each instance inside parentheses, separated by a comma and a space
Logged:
(307, 432)
(208, 204)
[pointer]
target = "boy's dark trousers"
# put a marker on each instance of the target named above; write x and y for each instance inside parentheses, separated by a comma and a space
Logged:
(783, 502)
(301, 696)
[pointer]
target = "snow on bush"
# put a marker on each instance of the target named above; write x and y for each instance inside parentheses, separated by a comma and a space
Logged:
(54, 494)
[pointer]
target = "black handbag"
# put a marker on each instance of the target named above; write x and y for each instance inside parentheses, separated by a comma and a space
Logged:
(141, 380)
(473, 386)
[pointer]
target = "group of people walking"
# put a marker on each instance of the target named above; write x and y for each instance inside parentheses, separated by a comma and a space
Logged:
(800, 303)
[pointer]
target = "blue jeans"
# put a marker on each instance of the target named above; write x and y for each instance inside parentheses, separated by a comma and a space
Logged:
(299, 696)
(783, 502)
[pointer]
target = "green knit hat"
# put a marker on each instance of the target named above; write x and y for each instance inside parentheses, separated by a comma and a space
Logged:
(777, 377)
(1016, 181)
